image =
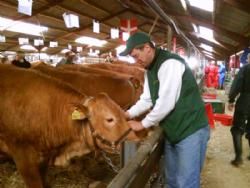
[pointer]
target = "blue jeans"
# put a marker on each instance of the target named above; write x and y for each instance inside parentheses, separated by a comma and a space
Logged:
(184, 160)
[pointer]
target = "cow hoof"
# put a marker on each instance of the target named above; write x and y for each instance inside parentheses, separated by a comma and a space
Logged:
(97, 184)
(236, 163)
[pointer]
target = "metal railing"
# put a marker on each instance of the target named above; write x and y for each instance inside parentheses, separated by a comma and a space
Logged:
(138, 170)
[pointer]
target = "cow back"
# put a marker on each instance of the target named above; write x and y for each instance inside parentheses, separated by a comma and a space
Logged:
(122, 89)
(121, 68)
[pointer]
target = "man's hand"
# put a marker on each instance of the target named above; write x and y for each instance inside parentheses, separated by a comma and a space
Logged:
(230, 106)
(127, 116)
(136, 125)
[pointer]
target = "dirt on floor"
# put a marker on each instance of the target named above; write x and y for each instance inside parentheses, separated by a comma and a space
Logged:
(82, 173)
(218, 172)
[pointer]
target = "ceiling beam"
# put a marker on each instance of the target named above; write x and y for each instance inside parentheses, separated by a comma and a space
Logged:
(233, 35)
(222, 44)
(243, 6)
(215, 55)
(221, 31)
(216, 48)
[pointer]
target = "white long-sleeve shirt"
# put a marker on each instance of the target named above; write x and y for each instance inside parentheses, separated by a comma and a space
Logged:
(170, 82)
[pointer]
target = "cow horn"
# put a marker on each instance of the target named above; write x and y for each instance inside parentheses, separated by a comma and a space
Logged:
(78, 115)
(86, 102)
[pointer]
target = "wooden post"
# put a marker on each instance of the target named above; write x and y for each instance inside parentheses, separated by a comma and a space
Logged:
(169, 39)
(137, 170)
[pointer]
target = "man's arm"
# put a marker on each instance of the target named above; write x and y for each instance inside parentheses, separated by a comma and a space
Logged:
(143, 104)
(170, 78)
(236, 86)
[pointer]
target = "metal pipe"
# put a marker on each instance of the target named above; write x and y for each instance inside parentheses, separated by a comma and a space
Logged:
(157, 9)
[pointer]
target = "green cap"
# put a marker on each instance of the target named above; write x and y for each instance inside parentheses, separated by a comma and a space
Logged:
(134, 40)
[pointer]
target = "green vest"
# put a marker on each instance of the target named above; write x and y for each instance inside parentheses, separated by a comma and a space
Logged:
(189, 113)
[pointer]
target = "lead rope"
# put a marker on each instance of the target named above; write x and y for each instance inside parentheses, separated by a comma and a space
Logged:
(110, 163)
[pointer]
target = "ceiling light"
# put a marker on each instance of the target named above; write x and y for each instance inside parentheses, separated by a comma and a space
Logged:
(21, 27)
(91, 41)
(44, 48)
(28, 47)
(195, 28)
(207, 5)
(184, 5)
(206, 47)
(206, 32)
(63, 51)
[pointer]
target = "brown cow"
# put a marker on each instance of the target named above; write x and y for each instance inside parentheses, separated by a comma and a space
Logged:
(121, 68)
(120, 88)
(41, 118)
(136, 80)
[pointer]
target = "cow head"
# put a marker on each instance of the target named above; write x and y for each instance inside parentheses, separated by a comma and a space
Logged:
(108, 124)
(106, 121)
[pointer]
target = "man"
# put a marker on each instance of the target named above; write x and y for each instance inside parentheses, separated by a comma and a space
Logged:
(20, 61)
(69, 58)
(241, 120)
(222, 72)
(171, 92)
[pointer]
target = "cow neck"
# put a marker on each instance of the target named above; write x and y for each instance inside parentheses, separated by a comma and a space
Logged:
(134, 92)
(89, 139)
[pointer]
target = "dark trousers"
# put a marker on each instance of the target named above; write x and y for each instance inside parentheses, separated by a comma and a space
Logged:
(241, 126)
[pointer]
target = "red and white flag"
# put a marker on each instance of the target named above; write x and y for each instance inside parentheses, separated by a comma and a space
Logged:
(129, 25)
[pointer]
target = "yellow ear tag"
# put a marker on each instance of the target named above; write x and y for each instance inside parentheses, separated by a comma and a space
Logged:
(77, 115)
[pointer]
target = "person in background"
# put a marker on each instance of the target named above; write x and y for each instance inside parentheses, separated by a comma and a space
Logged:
(69, 58)
(213, 75)
(241, 119)
(20, 61)
(172, 96)
(222, 72)
(206, 71)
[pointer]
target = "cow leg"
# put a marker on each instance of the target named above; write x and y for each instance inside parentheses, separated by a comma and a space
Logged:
(248, 138)
(29, 166)
(4, 153)
(4, 157)
(237, 142)
(249, 148)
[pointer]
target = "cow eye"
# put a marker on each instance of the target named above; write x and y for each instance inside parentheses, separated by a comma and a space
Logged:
(110, 120)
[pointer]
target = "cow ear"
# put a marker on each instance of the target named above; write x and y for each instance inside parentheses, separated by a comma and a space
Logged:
(79, 114)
